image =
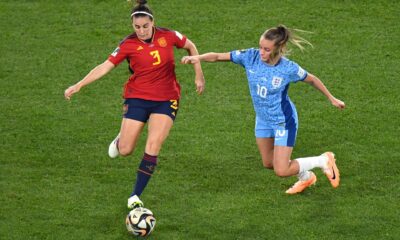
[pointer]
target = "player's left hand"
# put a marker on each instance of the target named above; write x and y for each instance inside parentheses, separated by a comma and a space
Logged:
(190, 60)
(338, 103)
(200, 84)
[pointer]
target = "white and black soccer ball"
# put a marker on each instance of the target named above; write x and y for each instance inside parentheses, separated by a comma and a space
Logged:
(140, 222)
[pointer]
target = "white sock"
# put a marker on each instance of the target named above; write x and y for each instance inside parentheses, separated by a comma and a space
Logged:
(304, 176)
(309, 163)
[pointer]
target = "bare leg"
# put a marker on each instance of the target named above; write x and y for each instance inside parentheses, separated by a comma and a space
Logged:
(130, 132)
(282, 165)
(266, 148)
(158, 130)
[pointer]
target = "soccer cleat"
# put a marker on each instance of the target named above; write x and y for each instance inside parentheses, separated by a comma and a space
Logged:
(113, 148)
(332, 171)
(134, 202)
(299, 186)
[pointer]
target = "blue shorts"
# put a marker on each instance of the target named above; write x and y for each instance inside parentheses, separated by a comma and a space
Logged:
(283, 136)
(140, 109)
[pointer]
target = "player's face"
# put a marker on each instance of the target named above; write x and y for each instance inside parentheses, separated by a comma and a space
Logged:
(143, 27)
(267, 47)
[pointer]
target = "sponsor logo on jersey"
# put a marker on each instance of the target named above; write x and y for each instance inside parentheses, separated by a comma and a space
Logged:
(276, 82)
(116, 51)
(162, 42)
(139, 48)
(301, 72)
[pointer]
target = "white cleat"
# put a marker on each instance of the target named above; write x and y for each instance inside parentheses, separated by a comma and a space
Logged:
(134, 202)
(113, 148)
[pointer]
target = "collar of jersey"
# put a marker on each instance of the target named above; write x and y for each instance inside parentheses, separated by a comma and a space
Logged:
(269, 65)
(152, 37)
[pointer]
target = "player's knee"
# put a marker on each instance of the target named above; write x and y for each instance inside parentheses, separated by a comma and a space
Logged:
(154, 145)
(268, 165)
(124, 150)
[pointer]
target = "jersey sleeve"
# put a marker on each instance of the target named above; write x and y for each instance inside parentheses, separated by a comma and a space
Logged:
(179, 39)
(241, 57)
(296, 73)
(119, 54)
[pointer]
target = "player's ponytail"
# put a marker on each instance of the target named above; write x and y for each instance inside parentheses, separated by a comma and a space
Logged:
(281, 35)
(138, 2)
(141, 2)
(141, 9)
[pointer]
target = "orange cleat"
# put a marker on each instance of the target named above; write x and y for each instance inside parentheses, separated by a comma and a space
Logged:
(299, 186)
(332, 171)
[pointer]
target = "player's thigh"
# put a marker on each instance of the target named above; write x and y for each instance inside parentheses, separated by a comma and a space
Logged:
(266, 148)
(130, 132)
(159, 126)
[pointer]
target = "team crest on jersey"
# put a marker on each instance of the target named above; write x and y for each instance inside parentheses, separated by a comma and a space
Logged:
(162, 42)
(276, 82)
(116, 51)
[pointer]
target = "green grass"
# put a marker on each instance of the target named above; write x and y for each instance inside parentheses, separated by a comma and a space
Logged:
(57, 182)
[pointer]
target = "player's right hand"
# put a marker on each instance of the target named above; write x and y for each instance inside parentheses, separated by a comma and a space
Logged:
(338, 103)
(70, 91)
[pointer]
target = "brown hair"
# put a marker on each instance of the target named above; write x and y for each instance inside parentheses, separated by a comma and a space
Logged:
(281, 35)
(142, 7)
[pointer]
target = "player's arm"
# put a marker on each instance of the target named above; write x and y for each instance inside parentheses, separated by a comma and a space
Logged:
(316, 83)
(199, 80)
(95, 74)
(207, 57)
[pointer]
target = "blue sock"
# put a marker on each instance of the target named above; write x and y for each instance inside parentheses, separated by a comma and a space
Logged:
(144, 172)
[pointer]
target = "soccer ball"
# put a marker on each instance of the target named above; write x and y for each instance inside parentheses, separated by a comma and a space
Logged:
(140, 222)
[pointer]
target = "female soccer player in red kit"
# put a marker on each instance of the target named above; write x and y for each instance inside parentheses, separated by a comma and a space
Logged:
(152, 92)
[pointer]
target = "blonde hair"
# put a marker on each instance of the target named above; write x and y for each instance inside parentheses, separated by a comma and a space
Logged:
(281, 35)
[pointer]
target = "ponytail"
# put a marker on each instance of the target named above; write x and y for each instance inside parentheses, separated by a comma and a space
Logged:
(281, 35)
(297, 40)
(141, 9)
(138, 2)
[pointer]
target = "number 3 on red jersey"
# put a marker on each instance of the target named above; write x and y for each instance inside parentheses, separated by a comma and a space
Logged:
(156, 55)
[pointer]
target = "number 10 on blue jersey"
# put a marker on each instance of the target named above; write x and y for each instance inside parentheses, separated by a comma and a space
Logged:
(261, 91)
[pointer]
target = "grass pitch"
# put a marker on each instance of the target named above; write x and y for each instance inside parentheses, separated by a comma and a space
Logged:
(57, 182)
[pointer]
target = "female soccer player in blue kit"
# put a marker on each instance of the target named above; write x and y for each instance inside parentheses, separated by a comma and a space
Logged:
(269, 74)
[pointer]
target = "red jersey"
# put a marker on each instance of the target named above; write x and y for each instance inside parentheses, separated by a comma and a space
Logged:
(152, 65)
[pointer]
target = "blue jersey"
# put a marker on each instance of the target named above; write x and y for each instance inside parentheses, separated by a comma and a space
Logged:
(269, 87)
